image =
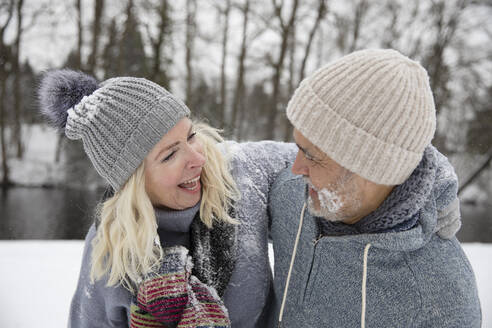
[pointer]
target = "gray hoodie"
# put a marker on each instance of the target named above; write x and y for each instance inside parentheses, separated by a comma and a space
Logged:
(409, 278)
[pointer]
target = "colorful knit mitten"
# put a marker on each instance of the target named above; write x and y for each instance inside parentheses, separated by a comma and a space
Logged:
(175, 298)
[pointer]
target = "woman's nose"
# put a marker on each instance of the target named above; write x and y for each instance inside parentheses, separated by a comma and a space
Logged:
(197, 158)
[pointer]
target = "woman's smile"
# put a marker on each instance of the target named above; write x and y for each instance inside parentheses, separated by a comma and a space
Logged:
(192, 185)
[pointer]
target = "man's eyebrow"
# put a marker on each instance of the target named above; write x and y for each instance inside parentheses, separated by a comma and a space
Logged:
(308, 154)
(301, 148)
(304, 150)
(172, 145)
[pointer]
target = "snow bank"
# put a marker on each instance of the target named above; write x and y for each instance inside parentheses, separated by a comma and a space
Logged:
(38, 279)
(38, 166)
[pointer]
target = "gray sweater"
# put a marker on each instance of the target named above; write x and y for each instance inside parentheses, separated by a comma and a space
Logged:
(408, 278)
(254, 167)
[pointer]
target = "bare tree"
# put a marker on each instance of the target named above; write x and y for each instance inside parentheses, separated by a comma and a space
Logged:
(360, 11)
(191, 8)
(78, 8)
(131, 56)
(393, 8)
(285, 31)
(403, 29)
(223, 81)
(291, 82)
(96, 35)
(240, 84)
(257, 103)
(321, 13)
(349, 26)
(17, 129)
(477, 172)
(321, 10)
(158, 74)
(111, 52)
(292, 46)
(248, 36)
(5, 62)
(77, 65)
(320, 47)
(445, 28)
(3, 134)
(444, 21)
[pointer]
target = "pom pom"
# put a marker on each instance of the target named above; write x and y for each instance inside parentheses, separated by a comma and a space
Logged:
(60, 90)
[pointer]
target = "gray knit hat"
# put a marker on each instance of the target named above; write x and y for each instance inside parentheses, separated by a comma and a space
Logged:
(119, 120)
(371, 111)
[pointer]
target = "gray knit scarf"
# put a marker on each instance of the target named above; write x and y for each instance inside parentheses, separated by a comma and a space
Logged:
(399, 211)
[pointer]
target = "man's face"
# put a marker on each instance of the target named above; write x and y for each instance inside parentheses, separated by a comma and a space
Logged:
(334, 192)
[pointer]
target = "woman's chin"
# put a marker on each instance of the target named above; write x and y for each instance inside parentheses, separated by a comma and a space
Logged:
(190, 198)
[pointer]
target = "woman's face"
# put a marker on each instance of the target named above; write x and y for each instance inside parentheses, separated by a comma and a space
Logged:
(173, 168)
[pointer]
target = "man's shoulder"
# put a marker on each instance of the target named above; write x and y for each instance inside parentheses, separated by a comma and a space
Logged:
(446, 282)
(286, 179)
(287, 194)
(443, 258)
(287, 187)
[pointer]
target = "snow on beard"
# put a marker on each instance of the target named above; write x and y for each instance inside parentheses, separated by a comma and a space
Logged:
(337, 202)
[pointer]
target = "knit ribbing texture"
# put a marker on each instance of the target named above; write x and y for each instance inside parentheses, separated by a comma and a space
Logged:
(121, 122)
(371, 111)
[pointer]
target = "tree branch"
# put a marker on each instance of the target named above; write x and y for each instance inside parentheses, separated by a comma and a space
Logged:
(477, 172)
(9, 18)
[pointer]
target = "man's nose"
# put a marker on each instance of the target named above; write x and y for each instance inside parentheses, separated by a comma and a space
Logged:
(299, 167)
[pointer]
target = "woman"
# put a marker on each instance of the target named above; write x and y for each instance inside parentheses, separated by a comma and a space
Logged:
(183, 240)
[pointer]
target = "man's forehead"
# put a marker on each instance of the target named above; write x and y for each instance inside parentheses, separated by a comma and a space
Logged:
(306, 145)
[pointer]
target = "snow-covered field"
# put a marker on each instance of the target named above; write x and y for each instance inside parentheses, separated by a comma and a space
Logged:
(37, 279)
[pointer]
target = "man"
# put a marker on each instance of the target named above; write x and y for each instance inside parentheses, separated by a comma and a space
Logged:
(363, 232)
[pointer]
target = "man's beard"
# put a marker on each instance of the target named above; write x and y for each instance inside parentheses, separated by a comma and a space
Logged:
(331, 202)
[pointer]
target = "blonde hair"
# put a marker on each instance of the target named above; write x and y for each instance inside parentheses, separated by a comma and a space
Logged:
(126, 246)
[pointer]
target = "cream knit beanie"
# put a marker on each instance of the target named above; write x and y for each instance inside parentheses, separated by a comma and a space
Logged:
(371, 111)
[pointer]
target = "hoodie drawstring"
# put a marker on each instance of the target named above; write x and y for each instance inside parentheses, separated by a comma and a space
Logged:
(293, 257)
(364, 281)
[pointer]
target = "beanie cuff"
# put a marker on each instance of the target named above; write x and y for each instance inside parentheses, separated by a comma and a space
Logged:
(349, 146)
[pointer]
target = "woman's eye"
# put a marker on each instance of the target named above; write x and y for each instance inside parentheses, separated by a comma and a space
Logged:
(191, 136)
(168, 157)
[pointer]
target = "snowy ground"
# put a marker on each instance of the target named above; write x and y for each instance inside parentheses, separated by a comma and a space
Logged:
(39, 277)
